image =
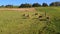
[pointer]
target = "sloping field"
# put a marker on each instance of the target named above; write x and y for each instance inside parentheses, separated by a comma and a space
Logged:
(54, 13)
(13, 20)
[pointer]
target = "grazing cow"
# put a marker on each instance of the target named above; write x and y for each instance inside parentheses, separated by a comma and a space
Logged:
(23, 14)
(27, 15)
(47, 17)
(40, 16)
(36, 13)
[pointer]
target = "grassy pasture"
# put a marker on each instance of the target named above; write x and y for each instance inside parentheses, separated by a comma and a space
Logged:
(12, 21)
(54, 13)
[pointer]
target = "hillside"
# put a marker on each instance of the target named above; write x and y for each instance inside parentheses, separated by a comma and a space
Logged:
(23, 21)
(54, 13)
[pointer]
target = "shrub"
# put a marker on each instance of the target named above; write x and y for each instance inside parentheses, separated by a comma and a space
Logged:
(44, 4)
(9, 6)
(40, 32)
(36, 5)
(58, 33)
(25, 5)
(55, 4)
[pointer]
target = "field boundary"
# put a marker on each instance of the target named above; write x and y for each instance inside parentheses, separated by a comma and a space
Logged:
(19, 9)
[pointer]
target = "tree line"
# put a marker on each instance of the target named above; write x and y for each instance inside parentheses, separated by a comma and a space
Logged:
(27, 5)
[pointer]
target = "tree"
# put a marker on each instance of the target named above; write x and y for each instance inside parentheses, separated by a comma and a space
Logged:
(36, 5)
(52, 4)
(2, 6)
(25, 5)
(44, 4)
(9, 6)
(55, 4)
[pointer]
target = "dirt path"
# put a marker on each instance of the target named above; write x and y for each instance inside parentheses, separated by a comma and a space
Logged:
(19, 9)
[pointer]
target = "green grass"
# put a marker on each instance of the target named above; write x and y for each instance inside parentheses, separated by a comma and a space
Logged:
(54, 12)
(12, 22)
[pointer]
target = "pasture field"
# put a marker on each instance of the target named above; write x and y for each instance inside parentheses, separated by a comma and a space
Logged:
(13, 21)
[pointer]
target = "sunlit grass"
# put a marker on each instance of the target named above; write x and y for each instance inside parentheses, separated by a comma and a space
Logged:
(13, 22)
